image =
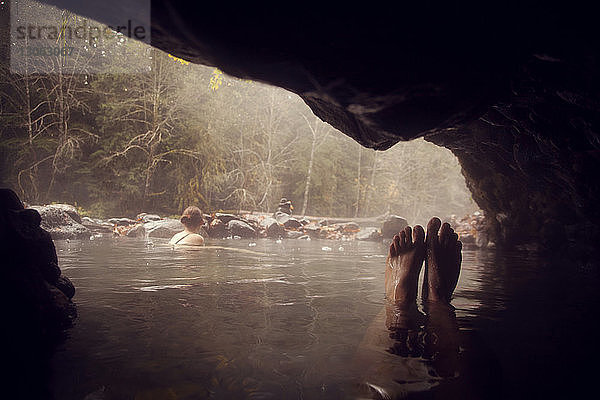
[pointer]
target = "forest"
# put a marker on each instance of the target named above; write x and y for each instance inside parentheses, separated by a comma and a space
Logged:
(179, 134)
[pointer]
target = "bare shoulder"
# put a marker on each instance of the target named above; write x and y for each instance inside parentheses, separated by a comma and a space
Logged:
(193, 239)
(176, 237)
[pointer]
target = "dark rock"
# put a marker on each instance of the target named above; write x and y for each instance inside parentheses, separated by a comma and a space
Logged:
(60, 224)
(313, 230)
(281, 217)
(324, 222)
(69, 209)
(39, 310)
(164, 228)
(285, 206)
(145, 217)
(467, 238)
(305, 221)
(292, 223)
(217, 229)
(65, 285)
(348, 227)
(241, 229)
(97, 225)
(121, 221)
(369, 233)
(225, 218)
(392, 225)
(294, 234)
(273, 229)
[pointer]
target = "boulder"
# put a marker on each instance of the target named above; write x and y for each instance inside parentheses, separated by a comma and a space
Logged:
(39, 303)
(164, 228)
(241, 229)
(281, 217)
(121, 221)
(69, 209)
(348, 227)
(225, 218)
(273, 229)
(292, 223)
(313, 230)
(97, 225)
(294, 234)
(392, 225)
(60, 223)
(145, 217)
(285, 206)
(65, 285)
(217, 229)
(137, 230)
(369, 233)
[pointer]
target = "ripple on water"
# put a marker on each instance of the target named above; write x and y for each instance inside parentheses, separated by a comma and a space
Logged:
(237, 323)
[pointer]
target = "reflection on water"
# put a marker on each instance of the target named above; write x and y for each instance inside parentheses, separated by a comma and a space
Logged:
(292, 320)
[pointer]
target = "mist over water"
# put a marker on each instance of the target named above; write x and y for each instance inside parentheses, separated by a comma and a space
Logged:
(175, 134)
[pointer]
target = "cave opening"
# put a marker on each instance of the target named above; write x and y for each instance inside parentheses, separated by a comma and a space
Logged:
(515, 102)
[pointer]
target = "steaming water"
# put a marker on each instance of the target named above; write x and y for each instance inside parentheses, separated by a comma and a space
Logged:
(287, 321)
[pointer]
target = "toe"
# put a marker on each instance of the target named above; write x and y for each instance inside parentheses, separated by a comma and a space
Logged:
(395, 246)
(419, 234)
(453, 237)
(408, 234)
(459, 251)
(393, 252)
(402, 239)
(432, 228)
(445, 233)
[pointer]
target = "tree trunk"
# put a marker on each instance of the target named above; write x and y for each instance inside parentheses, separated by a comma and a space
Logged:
(309, 174)
(358, 177)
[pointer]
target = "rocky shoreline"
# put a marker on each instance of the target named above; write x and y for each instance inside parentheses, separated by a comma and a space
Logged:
(63, 221)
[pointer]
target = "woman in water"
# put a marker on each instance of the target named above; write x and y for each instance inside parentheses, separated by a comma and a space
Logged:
(192, 221)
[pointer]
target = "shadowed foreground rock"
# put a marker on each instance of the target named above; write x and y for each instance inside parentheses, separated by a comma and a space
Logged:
(33, 276)
(37, 307)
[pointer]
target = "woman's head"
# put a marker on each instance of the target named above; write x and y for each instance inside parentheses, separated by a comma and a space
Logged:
(192, 218)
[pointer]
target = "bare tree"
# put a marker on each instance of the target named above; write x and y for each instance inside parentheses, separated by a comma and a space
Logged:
(319, 131)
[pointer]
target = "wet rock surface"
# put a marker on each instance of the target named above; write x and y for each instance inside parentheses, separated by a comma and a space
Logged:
(241, 229)
(62, 221)
(163, 228)
(392, 225)
(472, 229)
(369, 233)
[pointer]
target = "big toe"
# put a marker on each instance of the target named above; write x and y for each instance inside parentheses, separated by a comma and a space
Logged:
(433, 227)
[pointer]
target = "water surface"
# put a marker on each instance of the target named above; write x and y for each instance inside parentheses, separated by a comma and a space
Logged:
(287, 320)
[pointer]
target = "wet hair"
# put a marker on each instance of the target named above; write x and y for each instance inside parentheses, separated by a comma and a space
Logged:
(192, 216)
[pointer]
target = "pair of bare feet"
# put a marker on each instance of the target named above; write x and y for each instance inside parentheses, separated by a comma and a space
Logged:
(440, 249)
